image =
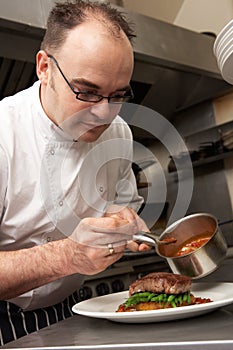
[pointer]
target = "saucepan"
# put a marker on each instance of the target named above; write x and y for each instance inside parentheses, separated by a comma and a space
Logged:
(197, 245)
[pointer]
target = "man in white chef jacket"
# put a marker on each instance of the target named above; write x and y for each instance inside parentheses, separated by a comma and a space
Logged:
(68, 197)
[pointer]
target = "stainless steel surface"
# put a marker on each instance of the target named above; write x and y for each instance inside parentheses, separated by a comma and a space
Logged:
(201, 261)
(171, 63)
(161, 45)
(210, 331)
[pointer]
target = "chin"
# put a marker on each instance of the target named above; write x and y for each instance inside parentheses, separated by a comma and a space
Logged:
(93, 134)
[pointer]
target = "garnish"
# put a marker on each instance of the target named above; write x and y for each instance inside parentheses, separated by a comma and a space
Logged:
(173, 299)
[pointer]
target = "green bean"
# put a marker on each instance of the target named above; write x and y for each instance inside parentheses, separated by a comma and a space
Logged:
(173, 299)
(173, 304)
(131, 299)
(180, 299)
(161, 297)
(170, 298)
(138, 297)
(156, 298)
(131, 302)
(152, 295)
(135, 295)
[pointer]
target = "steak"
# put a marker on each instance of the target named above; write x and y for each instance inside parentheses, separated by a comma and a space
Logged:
(161, 282)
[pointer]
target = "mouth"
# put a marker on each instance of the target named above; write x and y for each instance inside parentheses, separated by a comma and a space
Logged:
(81, 126)
(95, 126)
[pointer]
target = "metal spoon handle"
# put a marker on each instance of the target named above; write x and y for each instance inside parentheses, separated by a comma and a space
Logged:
(149, 238)
(145, 237)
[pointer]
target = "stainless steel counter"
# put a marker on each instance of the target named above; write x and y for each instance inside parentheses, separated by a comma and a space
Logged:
(211, 331)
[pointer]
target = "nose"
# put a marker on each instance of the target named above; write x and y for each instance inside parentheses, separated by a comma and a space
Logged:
(105, 111)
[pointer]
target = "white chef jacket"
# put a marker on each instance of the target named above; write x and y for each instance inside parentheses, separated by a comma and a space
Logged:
(48, 183)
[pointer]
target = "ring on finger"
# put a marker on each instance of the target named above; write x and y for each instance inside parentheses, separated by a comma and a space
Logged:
(111, 249)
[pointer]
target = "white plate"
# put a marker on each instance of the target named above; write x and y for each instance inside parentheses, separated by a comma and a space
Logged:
(224, 41)
(225, 49)
(106, 306)
(223, 32)
(226, 67)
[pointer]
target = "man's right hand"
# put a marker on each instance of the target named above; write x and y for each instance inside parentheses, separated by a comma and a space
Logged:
(97, 243)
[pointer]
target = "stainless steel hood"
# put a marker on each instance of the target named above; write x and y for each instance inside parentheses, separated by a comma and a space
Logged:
(174, 68)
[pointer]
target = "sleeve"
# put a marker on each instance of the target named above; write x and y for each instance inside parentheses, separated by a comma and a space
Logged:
(3, 180)
(127, 189)
(127, 193)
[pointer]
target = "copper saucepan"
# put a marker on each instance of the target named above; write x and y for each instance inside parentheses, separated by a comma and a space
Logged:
(199, 262)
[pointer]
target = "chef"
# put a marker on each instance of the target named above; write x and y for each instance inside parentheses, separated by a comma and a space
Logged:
(68, 197)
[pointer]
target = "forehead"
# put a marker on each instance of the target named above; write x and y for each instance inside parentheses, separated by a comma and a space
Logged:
(93, 45)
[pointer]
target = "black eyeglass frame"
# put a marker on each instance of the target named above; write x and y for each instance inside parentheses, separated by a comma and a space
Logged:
(97, 98)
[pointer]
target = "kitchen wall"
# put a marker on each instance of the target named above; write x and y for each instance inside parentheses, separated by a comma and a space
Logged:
(204, 15)
(197, 15)
(165, 10)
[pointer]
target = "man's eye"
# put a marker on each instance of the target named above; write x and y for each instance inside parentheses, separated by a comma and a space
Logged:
(119, 95)
(88, 92)
(82, 90)
(89, 97)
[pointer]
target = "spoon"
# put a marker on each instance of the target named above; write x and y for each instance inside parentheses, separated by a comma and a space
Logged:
(149, 238)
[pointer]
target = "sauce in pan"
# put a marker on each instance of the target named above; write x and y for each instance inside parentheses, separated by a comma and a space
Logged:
(192, 244)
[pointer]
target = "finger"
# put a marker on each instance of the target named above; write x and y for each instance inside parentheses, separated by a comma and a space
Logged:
(136, 247)
(132, 246)
(100, 240)
(104, 224)
(110, 225)
(144, 247)
(101, 231)
(141, 225)
(112, 249)
(126, 213)
(121, 212)
(130, 215)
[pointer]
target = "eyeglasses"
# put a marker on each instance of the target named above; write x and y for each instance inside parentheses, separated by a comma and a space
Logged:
(95, 98)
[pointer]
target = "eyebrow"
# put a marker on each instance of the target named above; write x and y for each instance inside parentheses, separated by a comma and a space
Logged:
(90, 84)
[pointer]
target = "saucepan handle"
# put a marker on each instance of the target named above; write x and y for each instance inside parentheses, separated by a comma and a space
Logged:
(225, 222)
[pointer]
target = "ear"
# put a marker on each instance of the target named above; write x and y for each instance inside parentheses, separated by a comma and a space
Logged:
(42, 67)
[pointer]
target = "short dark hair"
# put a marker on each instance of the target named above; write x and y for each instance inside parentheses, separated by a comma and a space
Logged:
(66, 15)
